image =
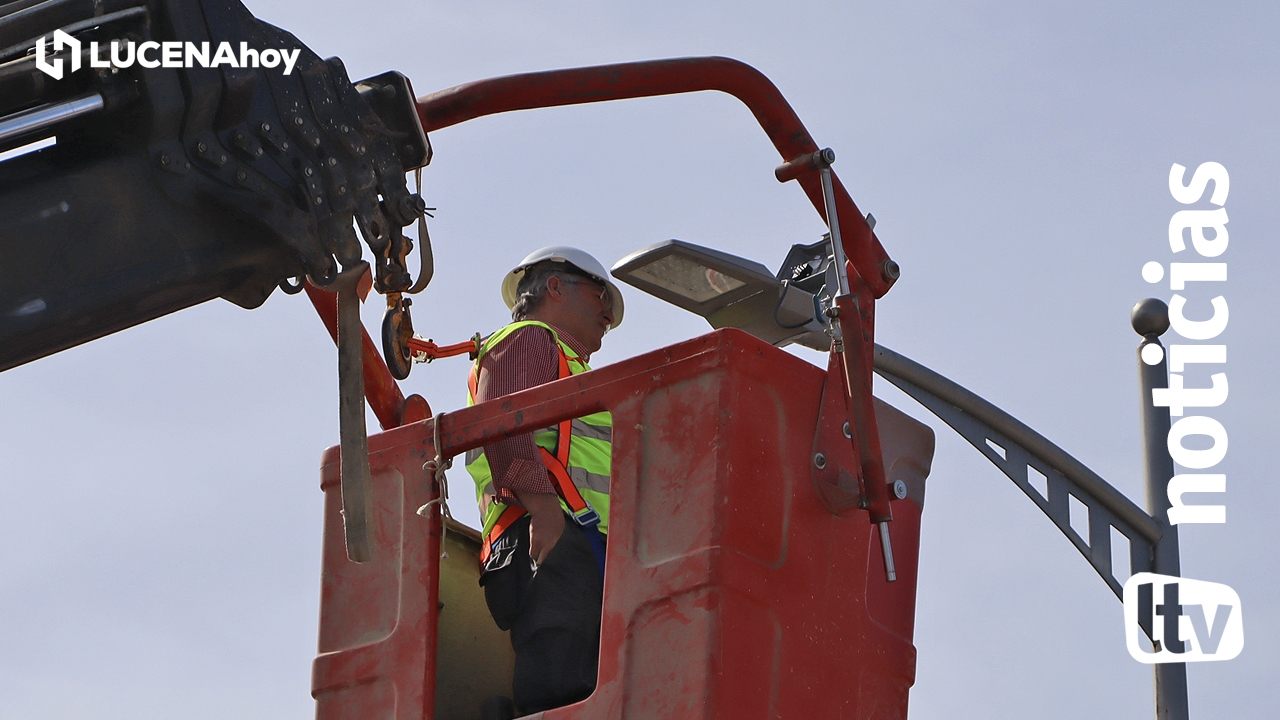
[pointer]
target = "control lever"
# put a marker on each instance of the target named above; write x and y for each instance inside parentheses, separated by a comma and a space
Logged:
(357, 494)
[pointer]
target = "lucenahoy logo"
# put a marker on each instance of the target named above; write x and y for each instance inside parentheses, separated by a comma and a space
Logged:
(152, 54)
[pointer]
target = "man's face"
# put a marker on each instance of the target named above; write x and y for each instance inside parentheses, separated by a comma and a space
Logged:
(586, 309)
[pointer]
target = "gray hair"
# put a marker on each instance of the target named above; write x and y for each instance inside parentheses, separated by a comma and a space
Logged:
(533, 285)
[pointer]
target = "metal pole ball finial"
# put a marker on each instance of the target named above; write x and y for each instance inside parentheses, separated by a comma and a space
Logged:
(1150, 317)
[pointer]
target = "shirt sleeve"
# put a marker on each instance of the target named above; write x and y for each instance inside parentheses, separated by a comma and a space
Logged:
(525, 359)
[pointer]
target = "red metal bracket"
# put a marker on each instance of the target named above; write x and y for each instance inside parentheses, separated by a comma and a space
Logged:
(380, 389)
(858, 361)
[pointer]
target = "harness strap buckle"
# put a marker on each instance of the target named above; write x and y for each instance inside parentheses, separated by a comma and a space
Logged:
(587, 517)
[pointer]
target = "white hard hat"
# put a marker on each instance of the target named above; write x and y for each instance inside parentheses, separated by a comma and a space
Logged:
(581, 261)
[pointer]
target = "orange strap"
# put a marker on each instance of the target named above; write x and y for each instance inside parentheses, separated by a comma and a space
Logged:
(564, 484)
(418, 346)
(508, 516)
(558, 464)
(564, 435)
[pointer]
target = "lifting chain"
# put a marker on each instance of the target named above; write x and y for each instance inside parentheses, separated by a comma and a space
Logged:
(397, 325)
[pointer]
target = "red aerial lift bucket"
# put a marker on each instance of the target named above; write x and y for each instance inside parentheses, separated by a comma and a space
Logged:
(736, 587)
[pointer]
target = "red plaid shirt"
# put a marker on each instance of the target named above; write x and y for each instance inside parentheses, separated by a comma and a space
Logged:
(527, 358)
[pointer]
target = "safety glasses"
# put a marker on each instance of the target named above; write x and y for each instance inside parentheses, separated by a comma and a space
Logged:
(606, 299)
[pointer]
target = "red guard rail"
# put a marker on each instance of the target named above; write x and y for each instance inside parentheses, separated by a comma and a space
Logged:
(600, 83)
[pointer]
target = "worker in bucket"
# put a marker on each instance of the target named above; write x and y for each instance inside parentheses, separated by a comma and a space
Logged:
(544, 497)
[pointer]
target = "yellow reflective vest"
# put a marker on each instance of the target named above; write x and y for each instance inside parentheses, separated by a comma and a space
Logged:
(579, 468)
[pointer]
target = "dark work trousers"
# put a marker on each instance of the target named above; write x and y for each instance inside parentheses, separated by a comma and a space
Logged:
(553, 614)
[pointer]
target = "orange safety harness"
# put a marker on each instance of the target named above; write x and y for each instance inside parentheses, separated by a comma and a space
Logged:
(557, 465)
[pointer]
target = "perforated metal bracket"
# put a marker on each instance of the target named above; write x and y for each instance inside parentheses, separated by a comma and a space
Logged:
(1045, 472)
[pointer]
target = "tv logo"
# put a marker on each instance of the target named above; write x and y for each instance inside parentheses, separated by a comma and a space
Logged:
(1200, 621)
(60, 40)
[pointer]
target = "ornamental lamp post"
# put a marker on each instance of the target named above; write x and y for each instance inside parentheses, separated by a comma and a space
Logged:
(1150, 319)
